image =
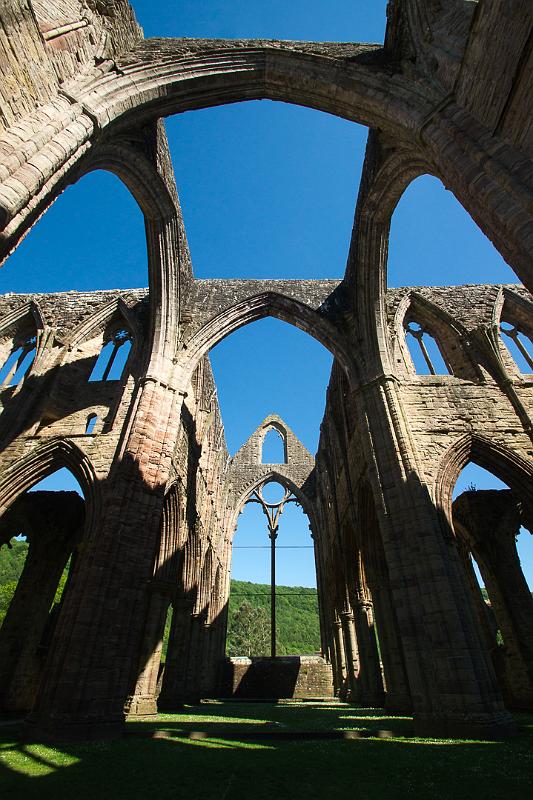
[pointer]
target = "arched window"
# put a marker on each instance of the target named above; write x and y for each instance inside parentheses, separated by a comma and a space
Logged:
(113, 356)
(425, 350)
(18, 362)
(519, 345)
(272, 520)
(92, 419)
(274, 447)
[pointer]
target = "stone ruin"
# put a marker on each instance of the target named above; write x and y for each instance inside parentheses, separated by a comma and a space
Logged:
(449, 94)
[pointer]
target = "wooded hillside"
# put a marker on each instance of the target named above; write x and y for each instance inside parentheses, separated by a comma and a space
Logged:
(297, 624)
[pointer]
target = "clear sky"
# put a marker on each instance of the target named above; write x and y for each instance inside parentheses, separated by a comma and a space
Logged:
(268, 190)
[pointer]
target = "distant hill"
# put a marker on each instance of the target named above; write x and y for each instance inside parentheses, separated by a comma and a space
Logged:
(297, 624)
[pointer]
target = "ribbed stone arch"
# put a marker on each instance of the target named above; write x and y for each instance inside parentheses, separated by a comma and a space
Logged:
(271, 476)
(160, 77)
(266, 304)
(388, 176)
(501, 461)
(138, 175)
(450, 334)
(166, 245)
(96, 323)
(44, 460)
(388, 173)
(165, 239)
(168, 76)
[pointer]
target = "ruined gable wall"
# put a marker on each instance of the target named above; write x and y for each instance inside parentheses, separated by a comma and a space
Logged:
(247, 468)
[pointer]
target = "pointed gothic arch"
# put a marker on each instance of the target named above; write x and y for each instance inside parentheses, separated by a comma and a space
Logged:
(103, 325)
(267, 304)
(449, 336)
(502, 461)
(513, 328)
(21, 342)
(272, 476)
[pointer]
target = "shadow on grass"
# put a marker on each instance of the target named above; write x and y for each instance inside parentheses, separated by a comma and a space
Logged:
(229, 720)
(212, 768)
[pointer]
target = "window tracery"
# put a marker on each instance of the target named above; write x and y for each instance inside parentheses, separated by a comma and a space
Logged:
(425, 350)
(113, 356)
(519, 345)
(19, 362)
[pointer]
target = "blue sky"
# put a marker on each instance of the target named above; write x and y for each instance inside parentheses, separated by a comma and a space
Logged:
(268, 190)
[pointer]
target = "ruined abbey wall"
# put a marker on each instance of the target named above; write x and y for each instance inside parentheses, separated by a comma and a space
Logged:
(447, 94)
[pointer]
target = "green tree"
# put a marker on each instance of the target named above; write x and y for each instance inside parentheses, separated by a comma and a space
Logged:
(249, 631)
(7, 590)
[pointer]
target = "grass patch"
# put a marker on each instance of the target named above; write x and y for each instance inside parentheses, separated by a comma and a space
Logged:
(223, 768)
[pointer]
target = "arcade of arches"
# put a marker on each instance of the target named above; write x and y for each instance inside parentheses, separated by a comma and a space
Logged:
(117, 387)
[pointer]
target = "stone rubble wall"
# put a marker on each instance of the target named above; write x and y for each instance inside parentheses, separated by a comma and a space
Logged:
(286, 677)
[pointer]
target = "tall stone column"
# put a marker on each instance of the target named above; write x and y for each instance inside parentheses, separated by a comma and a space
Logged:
(199, 632)
(322, 613)
(369, 679)
(486, 617)
(453, 685)
(88, 674)
(397, 693)
(143, 702)
(352, 655)
(211, 660)
(397, 696)
(339, 663)
(179, 643)
(214, 656)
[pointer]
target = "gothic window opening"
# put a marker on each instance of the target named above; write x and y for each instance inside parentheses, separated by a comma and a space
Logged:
(425, 351)
(18, 363)
(519, 345)
(92, 419)
(111, 362)
(277, 613)
(274, 447)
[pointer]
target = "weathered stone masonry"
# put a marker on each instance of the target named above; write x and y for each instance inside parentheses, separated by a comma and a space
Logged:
(449, 93)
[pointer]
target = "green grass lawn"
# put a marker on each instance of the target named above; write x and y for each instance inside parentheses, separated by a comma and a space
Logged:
(221, 766)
